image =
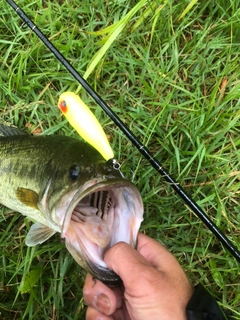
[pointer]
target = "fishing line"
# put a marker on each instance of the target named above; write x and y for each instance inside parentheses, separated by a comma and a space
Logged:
(143, 150)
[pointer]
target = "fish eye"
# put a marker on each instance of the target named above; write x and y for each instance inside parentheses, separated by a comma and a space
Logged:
(74, 172)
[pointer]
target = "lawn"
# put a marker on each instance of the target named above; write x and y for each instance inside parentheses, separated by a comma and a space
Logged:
(171, 72)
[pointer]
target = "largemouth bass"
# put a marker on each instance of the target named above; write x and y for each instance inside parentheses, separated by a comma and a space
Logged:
(64, 185)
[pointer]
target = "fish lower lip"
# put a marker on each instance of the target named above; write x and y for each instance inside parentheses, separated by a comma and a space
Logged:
(105, 213)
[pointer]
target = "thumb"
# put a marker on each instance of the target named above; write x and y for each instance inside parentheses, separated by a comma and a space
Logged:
(130, 265)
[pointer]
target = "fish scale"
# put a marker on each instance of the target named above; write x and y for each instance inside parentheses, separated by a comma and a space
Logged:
(49, 178)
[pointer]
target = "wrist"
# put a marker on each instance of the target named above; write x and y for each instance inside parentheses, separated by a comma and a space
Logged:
(202, 306)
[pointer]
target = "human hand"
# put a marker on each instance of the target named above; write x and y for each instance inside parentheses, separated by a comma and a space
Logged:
(154, 285)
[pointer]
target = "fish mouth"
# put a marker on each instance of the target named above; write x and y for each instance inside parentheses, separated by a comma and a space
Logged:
(101, 214)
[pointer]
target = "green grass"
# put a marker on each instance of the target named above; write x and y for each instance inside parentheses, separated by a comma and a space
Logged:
(176, 83)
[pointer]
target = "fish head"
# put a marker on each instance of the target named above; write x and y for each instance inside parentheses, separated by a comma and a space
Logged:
(94, 206)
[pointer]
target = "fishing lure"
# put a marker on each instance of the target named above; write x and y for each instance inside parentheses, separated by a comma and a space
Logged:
(85, 123)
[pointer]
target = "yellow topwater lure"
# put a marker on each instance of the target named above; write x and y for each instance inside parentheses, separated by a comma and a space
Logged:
(85, 123)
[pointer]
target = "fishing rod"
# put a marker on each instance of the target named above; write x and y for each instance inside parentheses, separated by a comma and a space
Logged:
(142, 149)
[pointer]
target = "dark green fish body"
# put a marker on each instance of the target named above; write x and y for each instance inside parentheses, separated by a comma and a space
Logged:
(64, 185)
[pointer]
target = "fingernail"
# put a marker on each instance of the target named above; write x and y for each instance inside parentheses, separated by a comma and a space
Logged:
(102, 303)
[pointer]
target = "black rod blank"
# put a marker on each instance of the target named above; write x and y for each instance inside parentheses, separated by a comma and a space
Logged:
(143, 150)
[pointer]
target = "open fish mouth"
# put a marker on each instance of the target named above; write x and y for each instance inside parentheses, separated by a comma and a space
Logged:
(100, 215)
